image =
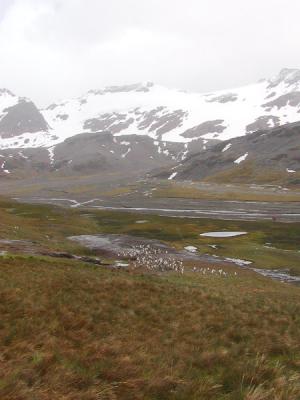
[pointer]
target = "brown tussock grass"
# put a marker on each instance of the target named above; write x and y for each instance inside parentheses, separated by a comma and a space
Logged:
(71, 331)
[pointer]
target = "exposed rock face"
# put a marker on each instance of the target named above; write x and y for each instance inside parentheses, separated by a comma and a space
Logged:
(275, 149)
(161, 120)
(263, 122)
(63, 117)
(205, 128)
(20, 118)
(224, 98)
(291, 99)
(114, 122)
(136, 87)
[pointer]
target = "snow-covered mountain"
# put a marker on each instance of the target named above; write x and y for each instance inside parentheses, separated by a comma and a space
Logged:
(19, 116)
(266, 156)
(165, 116)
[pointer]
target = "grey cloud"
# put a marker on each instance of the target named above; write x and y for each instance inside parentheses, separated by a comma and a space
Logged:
(60, 48)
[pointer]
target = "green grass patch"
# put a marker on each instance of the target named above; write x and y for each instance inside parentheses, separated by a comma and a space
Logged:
(268, 244)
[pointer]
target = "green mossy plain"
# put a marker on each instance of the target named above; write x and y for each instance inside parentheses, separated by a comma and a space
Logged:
(268, 244)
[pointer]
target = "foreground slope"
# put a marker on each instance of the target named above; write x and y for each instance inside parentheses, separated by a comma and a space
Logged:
(76, 332)
(72, 330)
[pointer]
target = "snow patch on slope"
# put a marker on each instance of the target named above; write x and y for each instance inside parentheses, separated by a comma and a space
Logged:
(227, 147)
(241, 159)
(172, 176)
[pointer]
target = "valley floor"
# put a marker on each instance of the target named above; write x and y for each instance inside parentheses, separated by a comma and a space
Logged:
(176, 199)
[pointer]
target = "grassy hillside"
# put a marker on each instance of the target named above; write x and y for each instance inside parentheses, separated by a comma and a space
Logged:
(72, 331)
(249, 172)
(238, 192)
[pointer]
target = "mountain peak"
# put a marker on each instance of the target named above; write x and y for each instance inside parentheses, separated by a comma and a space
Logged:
(6, 92)
(135, 87)
(289, 76)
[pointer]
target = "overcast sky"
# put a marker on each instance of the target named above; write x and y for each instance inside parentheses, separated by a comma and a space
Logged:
(53, 49)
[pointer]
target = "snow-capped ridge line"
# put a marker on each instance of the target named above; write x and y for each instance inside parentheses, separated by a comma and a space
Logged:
(162, 114)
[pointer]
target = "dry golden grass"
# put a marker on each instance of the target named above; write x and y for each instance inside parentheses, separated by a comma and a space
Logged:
(70, 331)
(117, 191)
(240, 193)
(249, 172)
